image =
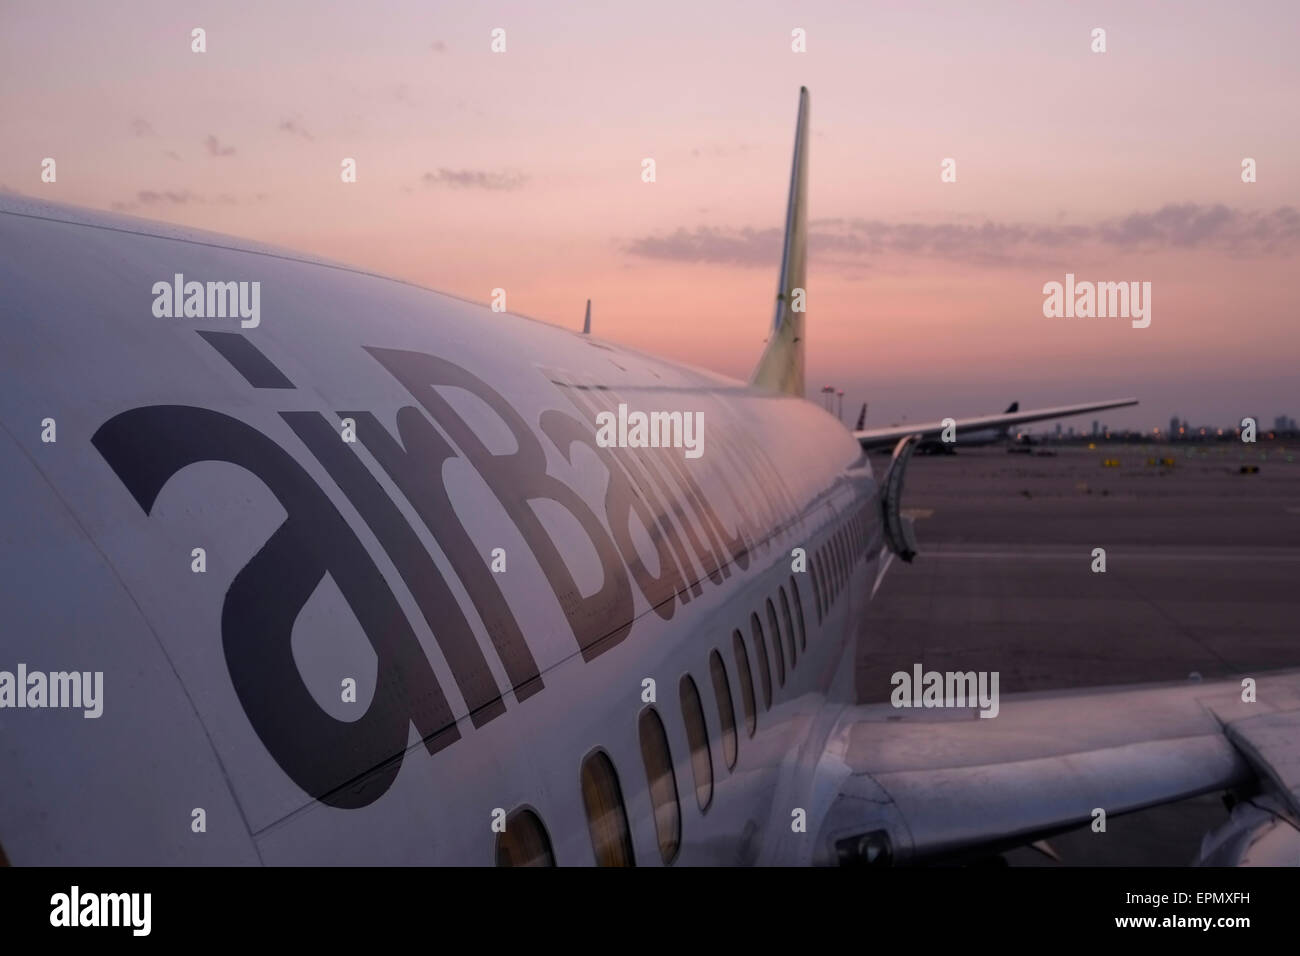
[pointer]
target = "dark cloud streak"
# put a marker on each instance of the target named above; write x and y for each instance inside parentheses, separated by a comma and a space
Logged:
(292, 127)
(215, 148)
(474, 179)
(851, 243)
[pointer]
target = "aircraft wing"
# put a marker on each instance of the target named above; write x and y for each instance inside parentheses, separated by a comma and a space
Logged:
(918, 784)
(881, 437)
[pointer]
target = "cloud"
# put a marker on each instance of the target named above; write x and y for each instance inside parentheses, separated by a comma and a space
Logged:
(721, 150)
(740, 247)
(153, 197)
(853, 243)
(158, 198)
(141, 127)
(474, 179)
(438, 46)
(216, 149)
(149, 197)
(292, 127)
(1190, 225)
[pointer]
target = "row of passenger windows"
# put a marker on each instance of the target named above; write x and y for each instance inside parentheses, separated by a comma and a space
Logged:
(525, 842)
(833, 562)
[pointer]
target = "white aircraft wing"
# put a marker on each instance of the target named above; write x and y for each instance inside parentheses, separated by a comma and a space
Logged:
(881, 437)
(920, 784)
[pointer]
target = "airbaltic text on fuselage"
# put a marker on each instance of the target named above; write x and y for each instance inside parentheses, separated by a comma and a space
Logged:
(651, 430)
(212, 300)
(351, 763)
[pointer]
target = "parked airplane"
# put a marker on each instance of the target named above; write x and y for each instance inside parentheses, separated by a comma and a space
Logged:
(990, 436)
(364, 586)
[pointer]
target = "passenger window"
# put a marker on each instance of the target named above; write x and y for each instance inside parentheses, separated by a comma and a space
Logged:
(697, 736)
(662, 782)
(606, 818)
(817, 589)
(821, 582)
(726, 709)
(764, 673)
(789, 622)
(776, 643)
(798, 610)
(746, 681)
(787, 632)
(524, 841)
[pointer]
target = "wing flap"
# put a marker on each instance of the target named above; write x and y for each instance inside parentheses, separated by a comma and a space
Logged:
(943, 781)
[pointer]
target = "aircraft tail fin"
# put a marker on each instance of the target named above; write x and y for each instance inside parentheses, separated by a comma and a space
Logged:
(781, 366)
(1011, 410)
(862, 418)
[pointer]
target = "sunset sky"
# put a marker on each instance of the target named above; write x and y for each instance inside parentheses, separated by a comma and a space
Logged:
(522, 170)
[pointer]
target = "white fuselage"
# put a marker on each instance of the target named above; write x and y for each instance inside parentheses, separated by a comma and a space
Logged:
(497, 585)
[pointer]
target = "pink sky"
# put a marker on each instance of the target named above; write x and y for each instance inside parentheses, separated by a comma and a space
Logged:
(522, 170)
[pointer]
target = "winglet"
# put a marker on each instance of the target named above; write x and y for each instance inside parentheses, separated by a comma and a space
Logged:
(781, 365)
(586, 322)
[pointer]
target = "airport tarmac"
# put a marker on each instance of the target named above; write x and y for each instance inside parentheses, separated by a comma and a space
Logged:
(1202, 576)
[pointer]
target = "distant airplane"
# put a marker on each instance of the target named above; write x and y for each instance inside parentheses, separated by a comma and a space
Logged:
(967, 435)
(975, 431)
(990, 436)
(366, 586)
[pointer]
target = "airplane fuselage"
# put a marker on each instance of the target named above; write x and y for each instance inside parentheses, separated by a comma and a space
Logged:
(402, 492)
